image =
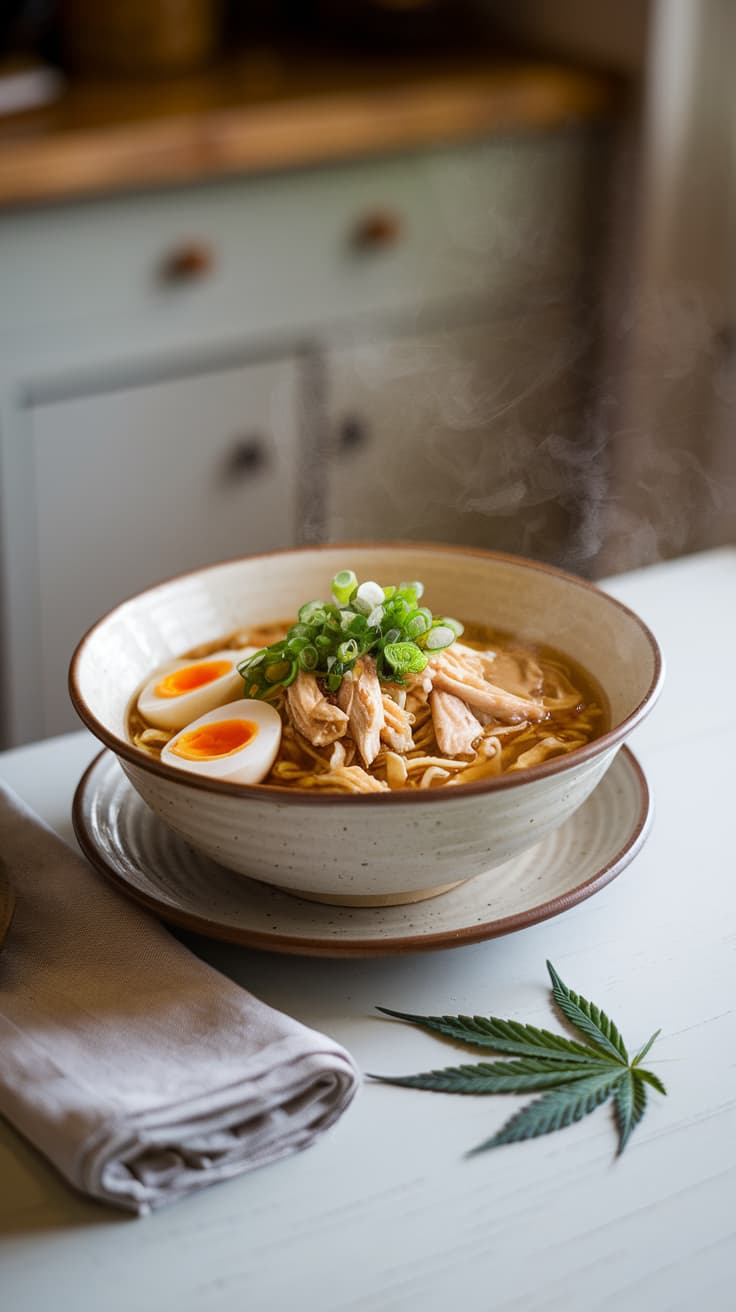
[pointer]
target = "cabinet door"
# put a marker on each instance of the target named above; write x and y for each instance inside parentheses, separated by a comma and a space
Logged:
(133, 486)
(469, 436)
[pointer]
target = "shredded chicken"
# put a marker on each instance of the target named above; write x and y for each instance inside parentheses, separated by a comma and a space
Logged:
(396, 731)
(362, 701)
(320, 722)
(458, 675)
(515, 671)
(455, 726)
(432, 775)
(396, 692)
(418, 688)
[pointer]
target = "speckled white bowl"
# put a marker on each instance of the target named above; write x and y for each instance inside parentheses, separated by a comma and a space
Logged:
(374, 848)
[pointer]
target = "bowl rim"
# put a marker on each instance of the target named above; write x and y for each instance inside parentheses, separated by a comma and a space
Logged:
(281, 793)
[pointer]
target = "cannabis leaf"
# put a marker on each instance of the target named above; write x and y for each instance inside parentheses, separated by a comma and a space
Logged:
(574, 1077)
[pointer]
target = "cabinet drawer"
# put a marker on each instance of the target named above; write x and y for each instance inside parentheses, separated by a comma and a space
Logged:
(502, 219)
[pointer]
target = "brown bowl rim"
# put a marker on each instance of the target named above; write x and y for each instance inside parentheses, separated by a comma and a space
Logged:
(558, 765)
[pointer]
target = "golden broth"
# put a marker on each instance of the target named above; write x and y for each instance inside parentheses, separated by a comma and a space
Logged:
(577, 714)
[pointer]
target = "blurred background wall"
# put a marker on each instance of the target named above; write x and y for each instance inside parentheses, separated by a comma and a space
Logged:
(284, 273)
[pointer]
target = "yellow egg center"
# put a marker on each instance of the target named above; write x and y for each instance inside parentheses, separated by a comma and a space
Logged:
(211, 741)
(191, 677)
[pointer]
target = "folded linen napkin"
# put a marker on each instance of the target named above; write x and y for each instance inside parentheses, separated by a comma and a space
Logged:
(137, 1069)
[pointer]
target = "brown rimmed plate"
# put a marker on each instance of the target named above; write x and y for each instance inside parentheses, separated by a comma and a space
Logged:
(152, 865)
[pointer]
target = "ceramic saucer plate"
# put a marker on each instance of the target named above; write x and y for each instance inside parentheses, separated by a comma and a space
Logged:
(151, 864)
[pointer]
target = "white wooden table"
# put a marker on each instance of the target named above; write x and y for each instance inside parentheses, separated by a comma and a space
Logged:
(385, 1212)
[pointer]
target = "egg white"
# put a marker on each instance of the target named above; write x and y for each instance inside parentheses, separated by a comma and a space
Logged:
(176, 712)
(252, 762)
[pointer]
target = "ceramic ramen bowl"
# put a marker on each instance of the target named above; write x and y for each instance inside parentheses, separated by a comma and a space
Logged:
(367, 849)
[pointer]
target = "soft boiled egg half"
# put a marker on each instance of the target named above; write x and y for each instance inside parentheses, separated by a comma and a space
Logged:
(237, 742)
(182, 690)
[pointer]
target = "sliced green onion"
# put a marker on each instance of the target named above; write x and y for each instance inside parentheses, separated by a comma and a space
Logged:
(348, 651)
(401, 608)
(308, 659)
(313, 612)
(368, 596)
(419, 621)
(287, 682)
(405, 657)
(295, 645)
(251, 661)
(457, 628)
(415, 587)
(439, 637)
(343, 586)
(329, 637)
(277, 672)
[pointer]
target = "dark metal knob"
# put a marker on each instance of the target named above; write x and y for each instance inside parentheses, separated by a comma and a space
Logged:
(377, 230)
(188, 262)
(248, 456)
(352, 435)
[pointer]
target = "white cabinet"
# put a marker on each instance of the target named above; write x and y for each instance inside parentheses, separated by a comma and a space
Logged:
(402, 352)
(134, 485)
(463, 435)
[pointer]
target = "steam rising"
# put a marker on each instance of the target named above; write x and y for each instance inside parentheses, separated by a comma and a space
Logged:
(516, 431)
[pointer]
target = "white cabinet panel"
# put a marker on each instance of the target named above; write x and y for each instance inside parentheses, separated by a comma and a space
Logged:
(136, 485)
(469, 436)
(500, 219)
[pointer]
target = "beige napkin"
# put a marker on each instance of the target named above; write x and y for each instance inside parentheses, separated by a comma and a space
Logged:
(138, 1070)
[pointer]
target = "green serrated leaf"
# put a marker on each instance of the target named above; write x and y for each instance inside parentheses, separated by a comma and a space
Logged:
(554, 1110)
(588, 1019)
(652, 1079)
(630, 1106)
(641, 1054)
(640, 1099)
(631, 1102)
(503, 1036)
(498, 1076)
(575, 1078)
(624, 1099)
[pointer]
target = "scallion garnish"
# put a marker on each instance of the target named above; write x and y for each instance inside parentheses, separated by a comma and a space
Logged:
(364, 619)
(344, 585)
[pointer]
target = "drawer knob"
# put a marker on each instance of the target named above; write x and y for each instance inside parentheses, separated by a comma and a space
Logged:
(247, 456)
(377, 230)
(352, 435)
(188, 262)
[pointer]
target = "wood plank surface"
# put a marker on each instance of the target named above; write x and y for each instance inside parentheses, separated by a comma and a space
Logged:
(262, 112)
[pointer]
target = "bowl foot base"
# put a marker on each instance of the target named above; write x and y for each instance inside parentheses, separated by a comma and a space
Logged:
(377, 900)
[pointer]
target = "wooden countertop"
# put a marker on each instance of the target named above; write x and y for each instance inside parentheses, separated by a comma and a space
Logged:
(265, 111)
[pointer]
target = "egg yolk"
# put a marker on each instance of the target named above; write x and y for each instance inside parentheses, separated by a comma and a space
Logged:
(191, 677)
(211, 741)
